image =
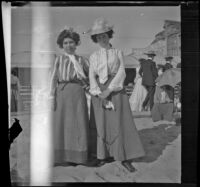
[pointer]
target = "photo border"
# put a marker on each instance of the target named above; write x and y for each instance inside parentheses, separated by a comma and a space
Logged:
(190, 89)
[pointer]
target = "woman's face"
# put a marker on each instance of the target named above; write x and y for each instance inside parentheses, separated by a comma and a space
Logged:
(69, 45)
(103, 39)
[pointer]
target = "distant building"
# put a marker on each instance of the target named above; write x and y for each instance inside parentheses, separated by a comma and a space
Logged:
(159, 44)
(173, 37)
(27, 62)
(167, 42)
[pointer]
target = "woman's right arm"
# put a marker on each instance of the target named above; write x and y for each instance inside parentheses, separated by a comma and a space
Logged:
(141, 70)
(54, 77)
(94, 88)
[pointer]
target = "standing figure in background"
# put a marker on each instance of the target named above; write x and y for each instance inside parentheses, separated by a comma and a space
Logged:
(148, 72)
(70, 118)
(168, 64)
(163, 100)
(139, 92)
(117, 135)
(16, 102)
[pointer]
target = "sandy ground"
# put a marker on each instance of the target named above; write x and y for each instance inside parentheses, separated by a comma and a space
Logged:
(162, 163)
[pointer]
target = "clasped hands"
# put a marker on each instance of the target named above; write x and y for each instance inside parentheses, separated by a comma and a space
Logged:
(105, 93)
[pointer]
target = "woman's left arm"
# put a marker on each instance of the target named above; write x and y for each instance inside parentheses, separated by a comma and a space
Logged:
(118, 81)
(85, 65)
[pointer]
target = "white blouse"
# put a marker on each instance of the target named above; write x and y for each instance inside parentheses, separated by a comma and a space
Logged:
(104, 63)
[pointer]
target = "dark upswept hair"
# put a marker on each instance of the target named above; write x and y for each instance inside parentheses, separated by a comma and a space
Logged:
(68, 34)
(94, 37)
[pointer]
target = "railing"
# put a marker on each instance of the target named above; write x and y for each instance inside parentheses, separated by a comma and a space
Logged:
(25, 93)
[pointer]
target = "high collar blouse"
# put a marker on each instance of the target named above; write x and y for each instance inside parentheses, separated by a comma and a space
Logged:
(103, 63)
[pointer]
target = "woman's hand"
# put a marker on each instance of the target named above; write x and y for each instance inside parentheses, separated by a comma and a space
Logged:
(105, 94)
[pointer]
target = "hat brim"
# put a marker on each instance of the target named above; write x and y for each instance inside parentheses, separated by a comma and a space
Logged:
(100, 31)
(150, 54)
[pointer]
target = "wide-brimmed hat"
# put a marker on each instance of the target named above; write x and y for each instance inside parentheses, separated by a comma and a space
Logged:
(168, 58)
(150, 53)
(100, 26)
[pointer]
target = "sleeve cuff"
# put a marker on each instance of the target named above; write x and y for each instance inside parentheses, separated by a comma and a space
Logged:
(95, 91)
(115, 88)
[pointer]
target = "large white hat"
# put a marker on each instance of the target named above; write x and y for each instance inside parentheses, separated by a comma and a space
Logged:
(100, 26)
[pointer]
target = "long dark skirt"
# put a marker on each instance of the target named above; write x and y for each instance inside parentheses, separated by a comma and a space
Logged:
(117, 135)
(16, 102)
(71, 124)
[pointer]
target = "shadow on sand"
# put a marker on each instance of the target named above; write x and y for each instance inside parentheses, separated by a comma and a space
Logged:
(156, 139)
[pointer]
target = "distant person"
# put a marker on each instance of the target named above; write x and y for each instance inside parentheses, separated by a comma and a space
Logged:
(148, 72)
(168, 64)
(163, 101)
(117, 135)
(70, 118)
(139, 92)
(16, 102)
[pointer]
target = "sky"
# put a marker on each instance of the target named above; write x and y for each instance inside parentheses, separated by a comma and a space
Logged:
(134, 27)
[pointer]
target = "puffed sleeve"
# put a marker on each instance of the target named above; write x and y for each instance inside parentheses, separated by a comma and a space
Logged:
(85, 66)
(118, 81)
(85, 63)
(54, 77)
(94, 88)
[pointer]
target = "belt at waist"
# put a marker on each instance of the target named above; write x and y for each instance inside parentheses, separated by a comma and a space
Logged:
(71, 81)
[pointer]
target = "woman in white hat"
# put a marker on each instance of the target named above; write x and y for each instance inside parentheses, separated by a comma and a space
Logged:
(70, 117)
(117, 135)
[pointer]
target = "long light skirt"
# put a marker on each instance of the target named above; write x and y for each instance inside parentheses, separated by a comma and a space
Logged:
(138, 96)
(117, 135)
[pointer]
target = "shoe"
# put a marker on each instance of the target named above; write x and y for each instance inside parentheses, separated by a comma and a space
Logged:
(128, 166)
(101, 163)
(93, 163)
(63, 164)
(110, 159)
(71, 164)
(57, 164)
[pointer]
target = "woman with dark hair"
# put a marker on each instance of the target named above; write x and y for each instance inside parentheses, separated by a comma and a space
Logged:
(117, 135)
(68, 85)
(15, 92)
